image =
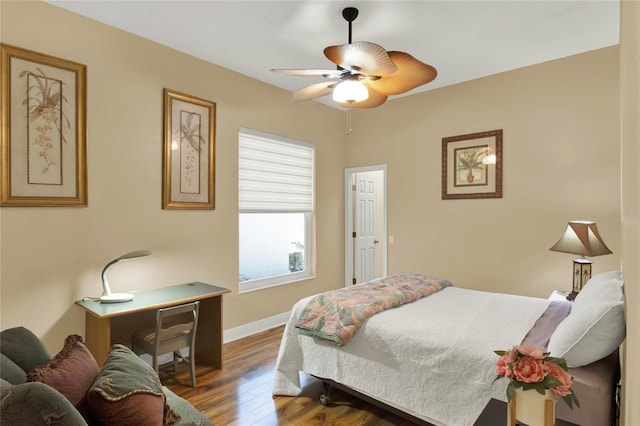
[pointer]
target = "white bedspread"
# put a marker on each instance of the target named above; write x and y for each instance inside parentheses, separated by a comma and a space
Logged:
(432, 358)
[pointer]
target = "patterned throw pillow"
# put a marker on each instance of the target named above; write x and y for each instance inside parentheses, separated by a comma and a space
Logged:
(128, 390)
(36, 403)
(71, 372)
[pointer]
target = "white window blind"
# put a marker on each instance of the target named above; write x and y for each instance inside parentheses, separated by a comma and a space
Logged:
(275, 174)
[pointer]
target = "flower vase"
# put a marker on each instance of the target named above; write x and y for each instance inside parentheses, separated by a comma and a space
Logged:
(532, 408)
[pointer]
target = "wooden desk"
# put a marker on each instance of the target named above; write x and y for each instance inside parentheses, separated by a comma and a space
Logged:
(109, 323)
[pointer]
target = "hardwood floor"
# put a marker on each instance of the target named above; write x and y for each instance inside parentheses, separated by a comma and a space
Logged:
(240, 393)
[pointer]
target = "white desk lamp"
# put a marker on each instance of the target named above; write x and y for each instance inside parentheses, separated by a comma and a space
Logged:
(107, 296)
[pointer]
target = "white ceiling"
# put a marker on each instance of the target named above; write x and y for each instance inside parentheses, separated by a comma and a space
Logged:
(463, 40)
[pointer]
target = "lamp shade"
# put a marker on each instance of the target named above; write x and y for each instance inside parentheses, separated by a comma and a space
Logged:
(350, 91)
(581, 238)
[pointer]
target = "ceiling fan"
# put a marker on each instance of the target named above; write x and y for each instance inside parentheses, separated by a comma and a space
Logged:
(366, 73)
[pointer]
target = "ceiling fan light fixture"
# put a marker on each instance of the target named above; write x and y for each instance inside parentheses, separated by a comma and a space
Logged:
(350, 91)
(366, 74)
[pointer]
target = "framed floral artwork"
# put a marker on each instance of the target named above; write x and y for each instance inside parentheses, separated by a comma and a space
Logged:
(43, 140)
(188, 152)
(472, 166)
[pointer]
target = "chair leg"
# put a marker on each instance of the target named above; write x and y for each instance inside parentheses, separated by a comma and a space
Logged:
(192, 366)
(177, 356)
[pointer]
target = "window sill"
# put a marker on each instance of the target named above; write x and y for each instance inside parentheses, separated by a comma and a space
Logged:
(251, 286)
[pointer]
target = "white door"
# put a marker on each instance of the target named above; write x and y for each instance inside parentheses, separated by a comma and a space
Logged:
(365, 241)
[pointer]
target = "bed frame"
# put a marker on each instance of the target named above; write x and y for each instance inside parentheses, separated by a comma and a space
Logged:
(325, 400)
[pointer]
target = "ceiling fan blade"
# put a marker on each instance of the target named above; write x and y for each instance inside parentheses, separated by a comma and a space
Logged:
(375, 99)
(310, 72)
(314, 91)
(411, 74)
(363, 57)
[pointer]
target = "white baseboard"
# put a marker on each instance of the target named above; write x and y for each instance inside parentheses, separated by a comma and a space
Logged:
(254, 327)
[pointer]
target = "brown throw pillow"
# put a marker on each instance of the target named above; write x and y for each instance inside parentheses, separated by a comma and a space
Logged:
(71, 372)
(128, 391)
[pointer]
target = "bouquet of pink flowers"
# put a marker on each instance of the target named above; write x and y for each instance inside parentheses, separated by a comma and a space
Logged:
(531, 368)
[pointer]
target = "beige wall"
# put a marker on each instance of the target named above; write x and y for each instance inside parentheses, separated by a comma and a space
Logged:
(630, 137)
(561, 162)
(53, 256)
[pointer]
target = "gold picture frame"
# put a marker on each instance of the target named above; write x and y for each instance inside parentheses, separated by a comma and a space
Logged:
(472, 166)
(188, 153)
(43, 144)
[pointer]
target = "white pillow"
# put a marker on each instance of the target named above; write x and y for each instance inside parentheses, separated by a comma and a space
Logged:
(606, 285)
(596, 326)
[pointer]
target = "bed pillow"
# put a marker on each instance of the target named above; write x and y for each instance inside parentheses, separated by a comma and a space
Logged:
(596, 326)
(71, 372)
(604, 286)
(127, 391)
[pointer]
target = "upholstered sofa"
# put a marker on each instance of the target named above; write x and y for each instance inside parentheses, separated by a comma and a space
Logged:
(71, 389)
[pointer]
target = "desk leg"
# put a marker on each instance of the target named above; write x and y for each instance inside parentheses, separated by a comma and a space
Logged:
(97, 337)
(209, 333)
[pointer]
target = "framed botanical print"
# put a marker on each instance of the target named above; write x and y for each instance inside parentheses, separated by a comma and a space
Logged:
(189, 152)
(43, 141)
(472, 166)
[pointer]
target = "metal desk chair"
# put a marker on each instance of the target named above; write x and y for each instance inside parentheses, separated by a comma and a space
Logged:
(175, 329)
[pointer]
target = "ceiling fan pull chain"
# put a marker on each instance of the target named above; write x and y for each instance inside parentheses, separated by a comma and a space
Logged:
(348, 128)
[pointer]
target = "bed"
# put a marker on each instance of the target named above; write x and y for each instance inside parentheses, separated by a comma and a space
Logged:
(433, 360)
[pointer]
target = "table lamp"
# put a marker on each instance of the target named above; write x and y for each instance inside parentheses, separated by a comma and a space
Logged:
(581, 238)
(107, 295)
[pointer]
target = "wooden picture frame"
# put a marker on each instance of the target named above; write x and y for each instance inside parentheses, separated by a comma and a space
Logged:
(189, 152)
(472, 166)
(44, 133)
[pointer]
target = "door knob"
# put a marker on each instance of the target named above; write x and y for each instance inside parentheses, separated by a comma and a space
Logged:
(375, 241)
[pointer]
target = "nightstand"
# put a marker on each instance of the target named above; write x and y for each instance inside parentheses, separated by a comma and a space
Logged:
(495, 413)
(559, 295)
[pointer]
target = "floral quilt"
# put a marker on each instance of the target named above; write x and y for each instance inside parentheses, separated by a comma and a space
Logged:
(337, 315)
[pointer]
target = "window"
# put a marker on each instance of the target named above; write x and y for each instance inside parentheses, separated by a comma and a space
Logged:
(275, 197)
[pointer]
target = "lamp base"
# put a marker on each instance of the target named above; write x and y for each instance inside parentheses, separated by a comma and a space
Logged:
(581, 273)
(571, 296)
(116, 298)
